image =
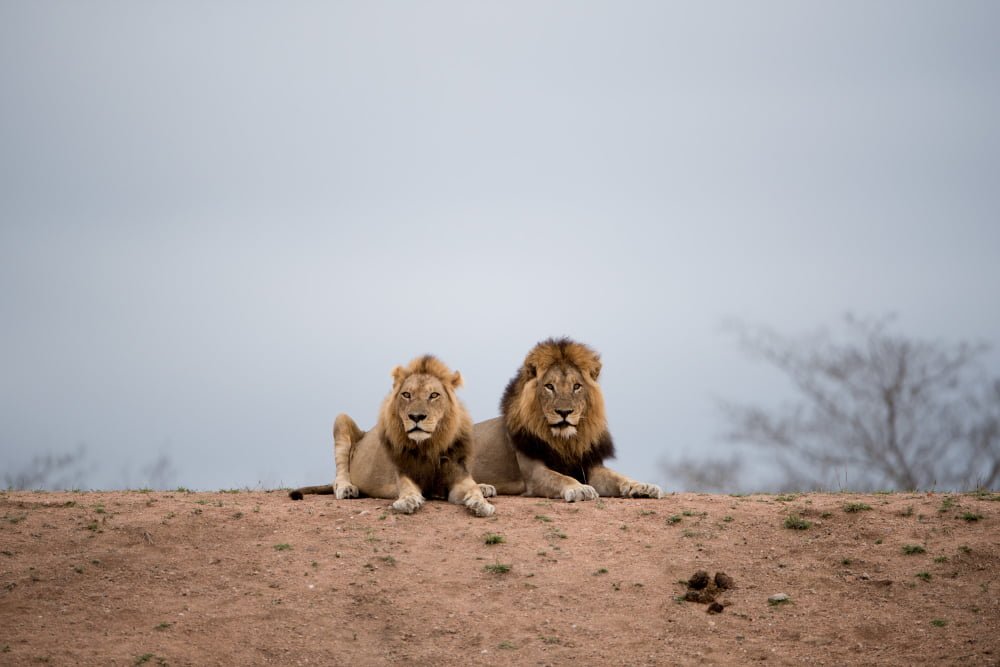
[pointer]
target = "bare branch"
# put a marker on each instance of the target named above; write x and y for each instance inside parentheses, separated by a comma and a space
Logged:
(878, 407)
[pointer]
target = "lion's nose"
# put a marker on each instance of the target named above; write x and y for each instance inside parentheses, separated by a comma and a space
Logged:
(417, 418)
(564, 413)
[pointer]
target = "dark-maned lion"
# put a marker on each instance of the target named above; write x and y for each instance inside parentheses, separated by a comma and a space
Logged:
(552, 438)
(417, 450)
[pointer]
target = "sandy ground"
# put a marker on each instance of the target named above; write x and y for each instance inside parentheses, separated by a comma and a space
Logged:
(177, 578)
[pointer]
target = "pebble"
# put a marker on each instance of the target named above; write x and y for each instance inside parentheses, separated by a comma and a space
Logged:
(778, 597)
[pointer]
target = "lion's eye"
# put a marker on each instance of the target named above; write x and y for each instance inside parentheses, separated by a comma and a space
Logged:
(550, 387)
(576, 387)
(434, 395)
(406, 395)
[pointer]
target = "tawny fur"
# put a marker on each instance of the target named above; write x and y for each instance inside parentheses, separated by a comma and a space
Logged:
(386, 462)
(528, 450)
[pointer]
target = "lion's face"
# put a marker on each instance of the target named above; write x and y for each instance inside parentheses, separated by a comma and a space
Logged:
(555, 396)
(421, 403)
(562, 398)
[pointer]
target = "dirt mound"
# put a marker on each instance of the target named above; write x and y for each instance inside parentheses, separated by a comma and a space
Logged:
(179, 578)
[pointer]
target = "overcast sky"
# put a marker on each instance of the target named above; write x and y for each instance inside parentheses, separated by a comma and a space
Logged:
(222, 223)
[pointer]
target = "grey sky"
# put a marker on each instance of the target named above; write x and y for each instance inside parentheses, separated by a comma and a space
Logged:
(223, 223)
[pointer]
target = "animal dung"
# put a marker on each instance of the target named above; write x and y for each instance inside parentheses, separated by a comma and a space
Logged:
(704, 589)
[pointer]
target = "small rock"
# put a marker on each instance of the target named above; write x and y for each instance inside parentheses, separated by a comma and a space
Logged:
(715, 608)
(723, 581)
(778, 597)
(864, 576)
(698, 580)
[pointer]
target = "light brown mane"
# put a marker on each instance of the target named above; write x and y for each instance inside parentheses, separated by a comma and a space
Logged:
(520, 401)
(455, 424)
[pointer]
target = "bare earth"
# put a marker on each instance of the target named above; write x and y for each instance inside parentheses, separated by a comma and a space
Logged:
(127, 578)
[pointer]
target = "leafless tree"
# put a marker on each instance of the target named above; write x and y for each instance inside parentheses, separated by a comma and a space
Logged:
(875, 409)
(50, 471)
(711, 475)
(54, 472)
(159, 474)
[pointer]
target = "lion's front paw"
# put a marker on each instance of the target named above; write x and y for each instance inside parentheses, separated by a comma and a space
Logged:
(480, 507)
(408, 504)
(488, 490)
(343, 491)
(632, 489)
(572, 494)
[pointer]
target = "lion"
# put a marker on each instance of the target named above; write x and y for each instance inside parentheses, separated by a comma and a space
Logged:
(417, 450)
(552, 437)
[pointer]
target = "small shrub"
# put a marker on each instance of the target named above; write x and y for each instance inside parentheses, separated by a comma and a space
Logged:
(926, 576)
(912, 549)
(852, 508)
(282, 547)
(497, 568)
(493, 538)
(795, 522)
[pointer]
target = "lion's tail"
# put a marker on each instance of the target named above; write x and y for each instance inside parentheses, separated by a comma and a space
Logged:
(296, 494)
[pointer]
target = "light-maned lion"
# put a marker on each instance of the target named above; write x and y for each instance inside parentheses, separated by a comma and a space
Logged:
(417, 450)
(552, 438)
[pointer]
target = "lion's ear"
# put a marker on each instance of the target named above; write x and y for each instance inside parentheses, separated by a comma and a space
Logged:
(456, 380)
(595, 371)
(530, 370)
(397, 375)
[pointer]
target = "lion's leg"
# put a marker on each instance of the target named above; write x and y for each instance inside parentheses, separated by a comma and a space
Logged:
(544, 482)
(466, 492)
(409, 499)
(610, 483)
(345, 434)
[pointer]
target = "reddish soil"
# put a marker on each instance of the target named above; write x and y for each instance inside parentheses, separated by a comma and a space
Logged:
(127, 578)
